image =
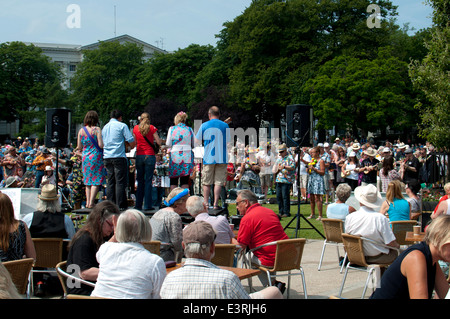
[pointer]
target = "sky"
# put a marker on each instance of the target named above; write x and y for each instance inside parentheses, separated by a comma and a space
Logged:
(167, 24)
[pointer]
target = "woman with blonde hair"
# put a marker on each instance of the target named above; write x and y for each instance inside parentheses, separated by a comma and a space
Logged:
(180, 139)
(90, 142)
(416, 273)
(146, 137)
(396, 207)
(15, 237)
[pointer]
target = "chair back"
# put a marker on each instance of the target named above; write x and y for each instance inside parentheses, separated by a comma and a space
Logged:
(289, 254)
(153, 246)
(20, 270)
(48, 252)
(224, 255)
(333, 229)
(60, 270)
(399, 228)
(354, 248)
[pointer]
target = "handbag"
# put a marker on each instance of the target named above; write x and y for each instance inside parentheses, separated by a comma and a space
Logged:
(92, 140)
(155, 147)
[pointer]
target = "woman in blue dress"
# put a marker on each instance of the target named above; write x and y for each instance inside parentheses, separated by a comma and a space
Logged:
(180, 140)
(316, 185)
(90, 142)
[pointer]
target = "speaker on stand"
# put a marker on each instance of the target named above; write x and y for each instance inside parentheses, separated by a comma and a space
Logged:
(299, 132)
(57, 131)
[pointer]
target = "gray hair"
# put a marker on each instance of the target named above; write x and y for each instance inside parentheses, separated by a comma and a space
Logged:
(133, 227)
(343, 192)
(194, 205)
(51, 206)
(248, 195)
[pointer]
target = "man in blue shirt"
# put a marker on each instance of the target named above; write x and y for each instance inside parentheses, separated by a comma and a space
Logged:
(215, 134)
(115, 134)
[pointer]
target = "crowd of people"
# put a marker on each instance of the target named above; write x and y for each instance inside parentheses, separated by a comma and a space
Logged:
(164, 175)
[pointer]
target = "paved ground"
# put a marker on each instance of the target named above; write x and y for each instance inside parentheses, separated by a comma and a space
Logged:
(326, 282)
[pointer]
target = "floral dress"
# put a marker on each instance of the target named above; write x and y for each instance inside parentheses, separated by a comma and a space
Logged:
(93, 169)
(316, 184)
(180, 139)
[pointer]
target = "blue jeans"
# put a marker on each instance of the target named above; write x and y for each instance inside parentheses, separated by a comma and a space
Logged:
(284, 198)
(145, 165)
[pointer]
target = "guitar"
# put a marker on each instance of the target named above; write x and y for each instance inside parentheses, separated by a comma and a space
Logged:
(345, 173)
(376, 166)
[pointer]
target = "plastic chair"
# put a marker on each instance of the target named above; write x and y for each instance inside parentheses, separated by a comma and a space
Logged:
(64, 277)
(224, 255)
(288, 257)
(333, 229)
(399, 228)
(20, 272)
(153, 246)
(48, 255)
(357, 261)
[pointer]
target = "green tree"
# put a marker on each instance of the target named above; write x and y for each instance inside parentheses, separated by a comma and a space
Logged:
(356, 93)
(172, 76)
(276, 46)
(106, 80)
(432, 77)
(26, 76)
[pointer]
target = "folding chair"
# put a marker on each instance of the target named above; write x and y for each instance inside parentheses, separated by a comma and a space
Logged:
(20, 271)
(153, 246)
(48, 255)
(64, 278)
(224, 255)
(288, 257)
(357, 261)
(399, 228)
(333, 229)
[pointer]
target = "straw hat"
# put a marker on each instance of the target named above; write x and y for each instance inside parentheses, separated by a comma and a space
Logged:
(355, 146)
(282, 147)
(369, 196)
(9, 181)
(370, 152)
(49, 193)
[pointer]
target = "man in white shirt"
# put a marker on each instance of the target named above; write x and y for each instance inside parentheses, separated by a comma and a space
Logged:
(368, 222)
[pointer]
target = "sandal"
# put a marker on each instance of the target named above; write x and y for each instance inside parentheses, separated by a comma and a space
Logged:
(311, 216)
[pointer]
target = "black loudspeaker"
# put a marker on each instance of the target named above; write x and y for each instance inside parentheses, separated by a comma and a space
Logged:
(299, 121)
(57, 128)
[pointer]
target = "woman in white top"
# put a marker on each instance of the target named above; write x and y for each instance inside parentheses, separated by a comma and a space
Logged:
(128, 270)
(443, 209)
(351, 176)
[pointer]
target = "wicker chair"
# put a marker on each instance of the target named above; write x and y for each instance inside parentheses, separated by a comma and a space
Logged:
(357, 261)
(20, 271)
(333, 229)
(224, 255)
(153, 246)
(48, 255)
(288, 257)
(64, 277)
(399, 228)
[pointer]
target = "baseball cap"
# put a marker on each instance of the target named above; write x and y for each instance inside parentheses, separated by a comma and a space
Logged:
(199, 232)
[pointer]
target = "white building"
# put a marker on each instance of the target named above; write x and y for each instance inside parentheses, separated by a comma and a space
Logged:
(68, 56)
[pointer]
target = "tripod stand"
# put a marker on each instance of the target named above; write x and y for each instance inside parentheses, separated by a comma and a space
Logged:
(298, 216)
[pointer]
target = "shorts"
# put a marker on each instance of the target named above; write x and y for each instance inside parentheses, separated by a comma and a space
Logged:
(214, 174)
(266, 180)
(303, 181)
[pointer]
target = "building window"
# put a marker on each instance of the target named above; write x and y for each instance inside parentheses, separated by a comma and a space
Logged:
(72, 67)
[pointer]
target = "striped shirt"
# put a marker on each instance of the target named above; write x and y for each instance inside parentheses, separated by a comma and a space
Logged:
(201, 279)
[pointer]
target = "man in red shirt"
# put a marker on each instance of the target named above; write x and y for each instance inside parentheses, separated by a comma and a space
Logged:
(260, 225)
